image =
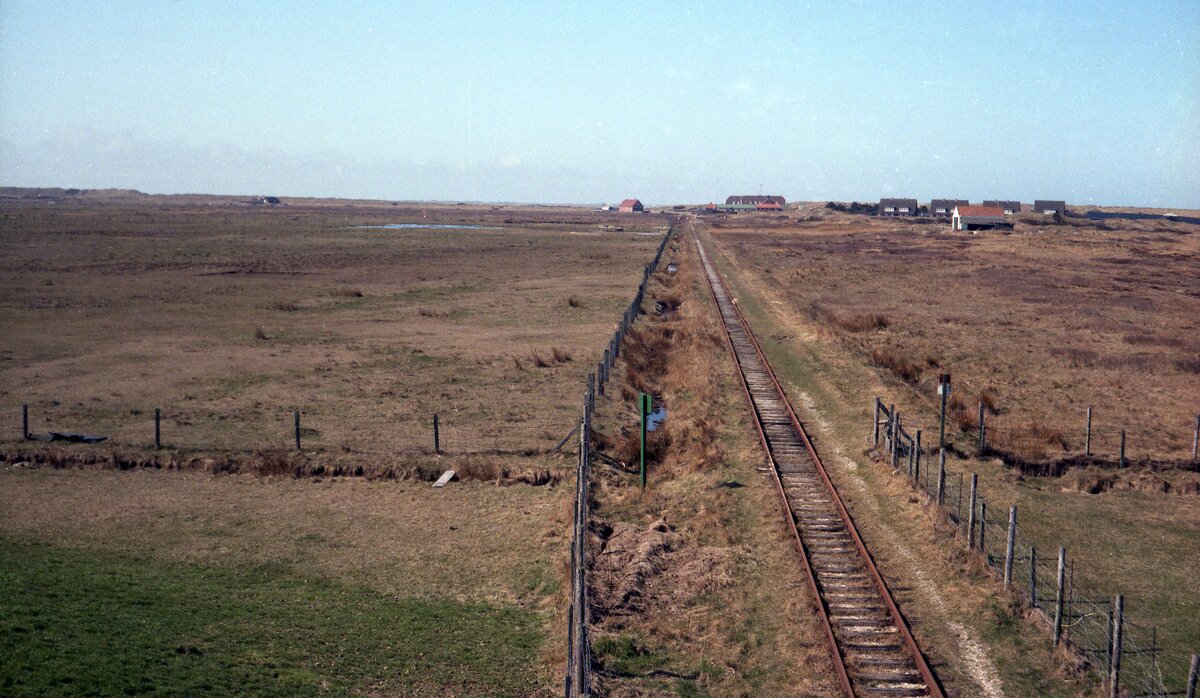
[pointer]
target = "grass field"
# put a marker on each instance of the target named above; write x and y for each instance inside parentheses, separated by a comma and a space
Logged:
(230, 317)
(810, 284)
(144, 573)
(176, 583)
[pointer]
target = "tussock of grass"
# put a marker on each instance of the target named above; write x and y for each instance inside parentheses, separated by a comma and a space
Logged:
(900, 365)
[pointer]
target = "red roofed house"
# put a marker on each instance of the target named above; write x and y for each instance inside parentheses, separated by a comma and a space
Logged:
(978, 218)
(631, 206)
(768, 206)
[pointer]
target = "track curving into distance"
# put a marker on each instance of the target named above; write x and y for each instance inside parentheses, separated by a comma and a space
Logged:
(873, 651)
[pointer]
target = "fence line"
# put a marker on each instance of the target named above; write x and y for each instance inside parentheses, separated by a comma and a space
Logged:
(1125, 655)
(1031, 446)
(577, 682)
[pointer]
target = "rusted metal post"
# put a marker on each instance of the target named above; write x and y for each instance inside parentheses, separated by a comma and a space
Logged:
(1058, 596)
(1033, 576)
(24, 421)
(941, 481)
(982, 430)
(1087, 441)
(971, 512)
(437, 436)
(158, 427)
(1114, 675)
(297, 420)
(1122, 464)
(1012, 540)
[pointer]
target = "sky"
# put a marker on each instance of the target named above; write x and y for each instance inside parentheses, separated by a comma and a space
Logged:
(564, 102)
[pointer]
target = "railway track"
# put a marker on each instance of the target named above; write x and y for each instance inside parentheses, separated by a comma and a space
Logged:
(873, 651)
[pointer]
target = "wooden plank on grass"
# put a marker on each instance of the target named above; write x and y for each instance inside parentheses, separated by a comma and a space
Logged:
(446, 477)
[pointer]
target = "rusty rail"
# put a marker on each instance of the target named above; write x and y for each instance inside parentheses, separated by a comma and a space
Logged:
(870, 644)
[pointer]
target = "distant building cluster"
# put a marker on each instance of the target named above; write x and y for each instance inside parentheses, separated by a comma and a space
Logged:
(745, 204)
(963, 216)
(945, 207)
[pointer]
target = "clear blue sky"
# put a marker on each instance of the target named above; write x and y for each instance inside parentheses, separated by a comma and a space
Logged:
(1092, 102)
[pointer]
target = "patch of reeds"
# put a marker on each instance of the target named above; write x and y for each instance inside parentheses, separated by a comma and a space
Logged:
(903, 367)
(544, 359)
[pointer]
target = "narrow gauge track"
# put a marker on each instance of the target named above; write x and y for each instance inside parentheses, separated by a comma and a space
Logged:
(873, 651)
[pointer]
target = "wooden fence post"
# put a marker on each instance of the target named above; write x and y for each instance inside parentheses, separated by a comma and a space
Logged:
(971, 512)
(437, 436)
(24, 421)
(875, 423)
(1058, 596)
(600, 378)
(941, 481)
(912, 452)
(891, 428)
(1012, 540)
(1087, 442)
(916, 463)
(297, 420)
(1193, 674)
(1122, 449)
(1032, 576)
(157, 427)
(896, 443)
(982, 430)
(1196, 440)
(1114, 677)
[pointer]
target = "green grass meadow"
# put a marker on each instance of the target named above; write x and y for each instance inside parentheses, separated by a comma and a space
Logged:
(87, 623)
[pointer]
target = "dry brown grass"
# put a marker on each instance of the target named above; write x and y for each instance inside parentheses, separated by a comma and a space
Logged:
(694, 582)
(230, 317)
(1054, 317)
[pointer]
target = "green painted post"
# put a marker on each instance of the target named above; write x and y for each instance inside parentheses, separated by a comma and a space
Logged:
(644, 405)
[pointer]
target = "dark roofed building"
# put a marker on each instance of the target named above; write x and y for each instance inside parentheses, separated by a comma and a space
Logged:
(1050, 207)
(978, 218)
(631, 206)
(756, 200)
(897, 207)
(1007, 206)
(945, 207)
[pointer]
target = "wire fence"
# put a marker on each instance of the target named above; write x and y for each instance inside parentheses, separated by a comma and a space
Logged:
(1095, 438)
(1127, 656)
(578, 683)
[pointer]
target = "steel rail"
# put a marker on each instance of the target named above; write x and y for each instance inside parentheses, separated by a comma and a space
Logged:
(854, 680)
